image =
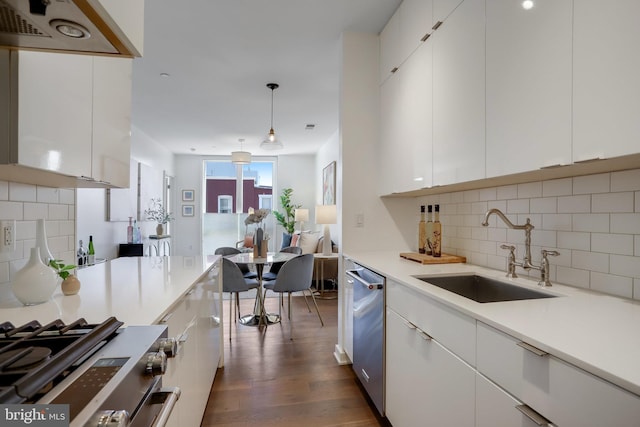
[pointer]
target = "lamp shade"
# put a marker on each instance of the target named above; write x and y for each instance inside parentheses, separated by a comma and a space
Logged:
(241, 157)
(326, 214)
(302, 215)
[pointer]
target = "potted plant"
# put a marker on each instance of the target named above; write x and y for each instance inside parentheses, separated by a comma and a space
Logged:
(158, 213)
(287, 219)
(70, 283)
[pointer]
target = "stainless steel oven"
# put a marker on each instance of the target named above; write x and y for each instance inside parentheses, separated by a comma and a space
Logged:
(368, 331)
(109, 375)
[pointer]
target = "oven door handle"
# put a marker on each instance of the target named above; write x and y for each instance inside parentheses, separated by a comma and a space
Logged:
(171, 396)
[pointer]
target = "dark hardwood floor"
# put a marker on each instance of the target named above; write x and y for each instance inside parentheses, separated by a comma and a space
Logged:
(270, 380)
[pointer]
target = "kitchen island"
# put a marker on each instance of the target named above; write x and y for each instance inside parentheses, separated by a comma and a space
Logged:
(182, 293)
(581, 346)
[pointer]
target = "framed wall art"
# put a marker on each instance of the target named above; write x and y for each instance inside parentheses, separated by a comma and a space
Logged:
(187, 195)
(329, 184)
(187, 210)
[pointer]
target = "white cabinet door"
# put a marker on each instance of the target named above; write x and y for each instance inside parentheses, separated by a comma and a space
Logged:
(54, 111)
(528, 94)
(495, 407)
(415, 22)
(425, 383)
(390, 55)
(128, 15)
(112, 120)
(459, 96)
(406, 125)
(606, 88)
(443, 8)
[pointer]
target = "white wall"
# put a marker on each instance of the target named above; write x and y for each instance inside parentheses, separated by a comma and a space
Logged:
(91, 209)
(330, 152)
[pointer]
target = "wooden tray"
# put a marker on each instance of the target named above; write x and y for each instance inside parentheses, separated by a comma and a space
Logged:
(428, 259)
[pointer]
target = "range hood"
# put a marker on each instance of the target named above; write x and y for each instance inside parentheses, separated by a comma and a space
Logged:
(80, 26)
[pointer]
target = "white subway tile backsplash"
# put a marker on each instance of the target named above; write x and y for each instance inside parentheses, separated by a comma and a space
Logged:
(612, 202)
(621, 244)
(464, 232)
(590, 261)
(488, 247)
(497, 204)
(574, 240)
(57, 212)
(637, 198)
(457, 197)
(479, 258)
(486, 194)
(544, 205)
(610, 284)
(47, 195)
(530, 190)
(573, 276)
(22, 192)
(625, 265)
(507, 192)
(479, 233)
(557, 187)
(517, 206)
(67, 196)
(625, 180)
(464, 208)
(636, 289)
(596, 223)
(11, 210)
(33, 211)
(479, 208)
(561, 222)
(497, 234)
(471, 196)
(591, 184)
(4, 190)
(625, 223)
(636, 246)
(543, 238)
(574, 204)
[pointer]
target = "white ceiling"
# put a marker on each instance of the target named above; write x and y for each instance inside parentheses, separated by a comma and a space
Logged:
(220, 54)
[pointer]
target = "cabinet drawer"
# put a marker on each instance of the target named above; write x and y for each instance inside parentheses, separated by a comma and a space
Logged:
(563, 393)
(495, 407)
(452, 329)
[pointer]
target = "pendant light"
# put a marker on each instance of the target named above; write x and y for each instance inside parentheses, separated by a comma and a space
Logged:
(241, 157)
(271, 142)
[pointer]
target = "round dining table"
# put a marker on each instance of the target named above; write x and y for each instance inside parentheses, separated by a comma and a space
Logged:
(259, 315)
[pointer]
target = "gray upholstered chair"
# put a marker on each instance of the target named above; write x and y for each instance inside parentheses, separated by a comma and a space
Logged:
(234, 282)
(275, 267)
(228, 250)
(294, 276)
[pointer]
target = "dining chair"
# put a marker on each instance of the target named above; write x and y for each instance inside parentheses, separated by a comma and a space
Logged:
(275, 267)
(228, 250)
(234, 282)
(294, 276)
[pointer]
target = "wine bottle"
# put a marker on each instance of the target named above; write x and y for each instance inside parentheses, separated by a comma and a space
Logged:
(429, 230)
(130, 232)
(82, 254)
(436, 243)
(422, 232)
(91, 254)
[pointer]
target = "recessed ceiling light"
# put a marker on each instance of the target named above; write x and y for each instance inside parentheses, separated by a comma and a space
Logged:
(192, 149)
(527, 4)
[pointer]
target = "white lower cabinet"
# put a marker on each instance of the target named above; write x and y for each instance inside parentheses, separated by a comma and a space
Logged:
(496, 408)
(426, 383)
(195, 322)
(562, 393)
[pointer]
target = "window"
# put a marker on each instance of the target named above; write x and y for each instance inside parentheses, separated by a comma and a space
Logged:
(225, 204)
(264, 201)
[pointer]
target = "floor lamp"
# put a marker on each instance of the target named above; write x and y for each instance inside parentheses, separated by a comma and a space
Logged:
(326, 214)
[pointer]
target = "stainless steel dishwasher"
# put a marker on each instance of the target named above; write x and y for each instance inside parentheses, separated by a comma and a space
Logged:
(368, 331)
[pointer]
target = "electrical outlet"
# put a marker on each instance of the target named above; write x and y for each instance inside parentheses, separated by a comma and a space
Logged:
(7, 236)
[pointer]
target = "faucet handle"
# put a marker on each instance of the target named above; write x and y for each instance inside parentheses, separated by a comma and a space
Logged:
(508, 247)
(552, 253)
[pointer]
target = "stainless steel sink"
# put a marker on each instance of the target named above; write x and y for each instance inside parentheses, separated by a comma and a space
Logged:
(483, 289)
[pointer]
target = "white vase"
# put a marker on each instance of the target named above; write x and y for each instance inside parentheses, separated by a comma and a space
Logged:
(35, 282)
(41, 242)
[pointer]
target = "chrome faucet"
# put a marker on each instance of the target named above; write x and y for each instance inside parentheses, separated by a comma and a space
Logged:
(526, 262)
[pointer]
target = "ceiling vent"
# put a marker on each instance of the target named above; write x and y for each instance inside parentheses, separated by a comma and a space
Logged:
(310, 126)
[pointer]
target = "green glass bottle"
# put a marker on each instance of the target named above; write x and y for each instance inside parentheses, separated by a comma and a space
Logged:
(91, 253)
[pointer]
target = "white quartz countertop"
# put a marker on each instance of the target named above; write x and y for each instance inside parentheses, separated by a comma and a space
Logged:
(597, 332)
(136, 290)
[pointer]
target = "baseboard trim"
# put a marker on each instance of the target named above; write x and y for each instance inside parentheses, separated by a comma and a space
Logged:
(341, 356)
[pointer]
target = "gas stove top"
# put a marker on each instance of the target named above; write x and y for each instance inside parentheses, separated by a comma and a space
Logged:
(101, 371)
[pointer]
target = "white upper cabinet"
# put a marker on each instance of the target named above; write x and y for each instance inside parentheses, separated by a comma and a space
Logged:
(442, 9)
(53, 120)
(112, 120)
(405, 31)
(606, 88)
(459, 96)
(528, 85)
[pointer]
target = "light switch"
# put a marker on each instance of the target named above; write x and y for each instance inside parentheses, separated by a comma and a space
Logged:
(360, 220)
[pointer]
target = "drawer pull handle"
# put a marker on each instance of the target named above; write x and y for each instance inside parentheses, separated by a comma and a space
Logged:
(436, 25)
(532, 349)
(409, 324)
(533, 415)
(166, 318)
(425, 37)
(425, 336)
(394, 69)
